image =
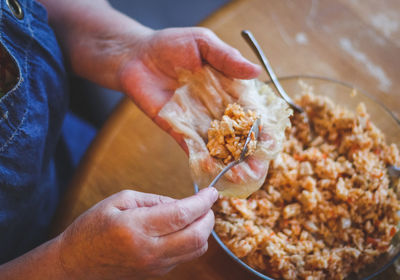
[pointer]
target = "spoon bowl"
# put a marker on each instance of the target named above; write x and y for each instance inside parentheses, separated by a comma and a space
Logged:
(254, 132)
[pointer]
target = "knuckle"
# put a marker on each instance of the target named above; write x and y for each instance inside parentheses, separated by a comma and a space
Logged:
(199, 238)
(181, 218)
(126, 193)
(121, 232)
(201, 251)
(212, 216)
(164, 199)
(203, 32)
(124, 199)
(236, 52)
(149, 257)
(147, 260)
(161, 271)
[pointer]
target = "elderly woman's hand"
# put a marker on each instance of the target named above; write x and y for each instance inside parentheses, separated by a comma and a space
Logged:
(149, 76)
(131, 235)
(117, 52)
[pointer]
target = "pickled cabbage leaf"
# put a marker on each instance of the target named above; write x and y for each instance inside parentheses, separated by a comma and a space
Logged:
(203, 97)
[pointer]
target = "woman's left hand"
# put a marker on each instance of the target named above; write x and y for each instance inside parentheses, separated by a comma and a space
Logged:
(113, 50)
(150, 78)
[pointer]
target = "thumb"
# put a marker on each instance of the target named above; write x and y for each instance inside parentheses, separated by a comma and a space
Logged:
(224, 58)
(129, 199)
(174, 216)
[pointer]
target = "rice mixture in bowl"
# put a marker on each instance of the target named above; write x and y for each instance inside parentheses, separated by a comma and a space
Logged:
(326, 208)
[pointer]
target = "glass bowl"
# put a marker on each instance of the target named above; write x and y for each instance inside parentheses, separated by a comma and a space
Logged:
(343, 95)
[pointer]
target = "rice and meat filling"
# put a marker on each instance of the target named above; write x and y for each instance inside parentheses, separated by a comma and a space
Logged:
(226, 138)
(326, 208)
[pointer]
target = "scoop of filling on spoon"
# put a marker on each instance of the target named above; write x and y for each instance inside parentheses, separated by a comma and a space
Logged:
(207, 98)
(226, 138)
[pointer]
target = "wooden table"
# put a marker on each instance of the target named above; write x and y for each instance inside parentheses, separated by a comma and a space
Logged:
(354, 41)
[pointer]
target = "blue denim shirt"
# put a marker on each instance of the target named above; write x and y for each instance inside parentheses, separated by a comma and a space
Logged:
(31, 115)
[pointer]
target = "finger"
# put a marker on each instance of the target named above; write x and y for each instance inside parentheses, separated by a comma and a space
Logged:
(189, 239)
(129, 199)
(187, 257)
(174, 216)
(162, 271)
(150, 91)
(223, 57)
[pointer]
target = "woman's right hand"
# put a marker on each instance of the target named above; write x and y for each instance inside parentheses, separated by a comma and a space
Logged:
(132, 235)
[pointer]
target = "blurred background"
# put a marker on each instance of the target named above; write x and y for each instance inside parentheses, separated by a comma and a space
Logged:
(93, 103)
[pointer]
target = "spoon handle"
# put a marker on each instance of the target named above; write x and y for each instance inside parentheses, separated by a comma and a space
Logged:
(394, 171)
(223, 171)
(248, 36)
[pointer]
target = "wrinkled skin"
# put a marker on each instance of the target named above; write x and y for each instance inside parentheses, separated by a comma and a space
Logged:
(150, 77)
(131, 235)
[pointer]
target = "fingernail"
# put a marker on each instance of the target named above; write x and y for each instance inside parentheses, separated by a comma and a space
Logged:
(214, 193)
(259, 69)
(210, 191)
